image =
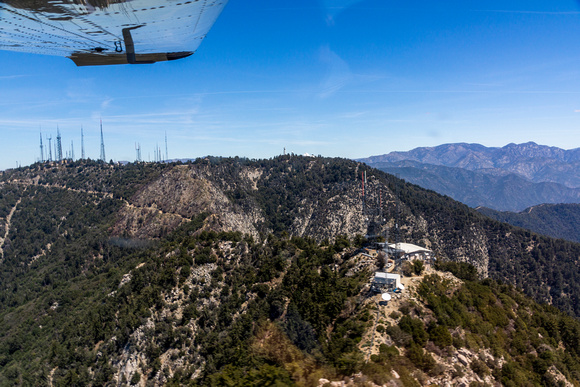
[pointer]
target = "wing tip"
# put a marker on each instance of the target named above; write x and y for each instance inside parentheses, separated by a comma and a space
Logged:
(97, 59)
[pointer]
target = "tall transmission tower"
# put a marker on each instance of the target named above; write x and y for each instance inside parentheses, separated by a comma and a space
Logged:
(72, 151)
(138, 152)
(41, 149)
(166, 153)
(49, 147)
(58, 145)
(102, 143)
(82, 144)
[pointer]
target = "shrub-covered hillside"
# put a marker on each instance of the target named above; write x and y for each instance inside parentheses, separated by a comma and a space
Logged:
(234, 271)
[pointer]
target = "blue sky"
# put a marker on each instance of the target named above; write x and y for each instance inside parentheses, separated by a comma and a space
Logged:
(333, 77)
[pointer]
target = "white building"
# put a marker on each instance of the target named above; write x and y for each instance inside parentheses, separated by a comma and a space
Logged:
(408, 251)
(385, 281)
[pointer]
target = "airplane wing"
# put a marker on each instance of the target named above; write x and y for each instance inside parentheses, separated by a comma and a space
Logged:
(106, 32)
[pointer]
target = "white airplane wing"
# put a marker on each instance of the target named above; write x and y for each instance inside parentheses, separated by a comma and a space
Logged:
(105, 32)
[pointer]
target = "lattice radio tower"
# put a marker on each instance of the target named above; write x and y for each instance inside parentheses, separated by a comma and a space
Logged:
(49, 147)
(372, 208)
(58, 145)
(166, 153)
(138, 152)
(102, 143)
(82, 144)
(41, 149)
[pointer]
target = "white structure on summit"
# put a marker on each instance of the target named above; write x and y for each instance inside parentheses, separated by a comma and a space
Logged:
(386, 281)
(408, 251)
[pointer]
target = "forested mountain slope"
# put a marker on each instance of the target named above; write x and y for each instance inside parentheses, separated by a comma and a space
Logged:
(163, 271)
(555, 220)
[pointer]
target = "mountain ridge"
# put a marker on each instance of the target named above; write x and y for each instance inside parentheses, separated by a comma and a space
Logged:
(537, 163)
(555, 220)
(503, 192)
(178, 274)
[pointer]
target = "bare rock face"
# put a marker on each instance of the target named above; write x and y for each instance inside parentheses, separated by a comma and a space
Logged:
(145, 222)
(339, 214)
(556, 377)
(181, 191)
(236, 197)
(176, 197)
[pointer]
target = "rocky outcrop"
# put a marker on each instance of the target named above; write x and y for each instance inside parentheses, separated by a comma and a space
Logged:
(177, 196)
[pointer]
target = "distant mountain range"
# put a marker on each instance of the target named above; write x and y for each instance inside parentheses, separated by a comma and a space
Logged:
(511, 178)
(536, 163)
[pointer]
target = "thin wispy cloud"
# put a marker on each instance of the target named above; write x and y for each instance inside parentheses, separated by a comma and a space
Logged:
(81, 90)
(9, 77)
(529, 12)
(335, 7)
(338, 75)
(105, 104)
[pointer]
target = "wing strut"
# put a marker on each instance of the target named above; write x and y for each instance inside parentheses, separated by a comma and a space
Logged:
(130, 47)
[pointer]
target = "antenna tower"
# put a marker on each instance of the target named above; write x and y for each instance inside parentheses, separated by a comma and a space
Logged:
(72, 151)
(166, 153)
(58, 145)
(138, 152)
(102, 143)
(397, 231)
(82, 144)
(41, 149)
(49, 147)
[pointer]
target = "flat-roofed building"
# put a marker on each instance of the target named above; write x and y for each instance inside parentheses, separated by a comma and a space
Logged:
(408, 251)
(385, 281)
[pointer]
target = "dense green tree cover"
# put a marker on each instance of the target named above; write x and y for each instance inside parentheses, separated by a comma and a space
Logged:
(62, 308)
(89, 307)
(545, 268)
(530, 337)
(96, 176)
(555, 220)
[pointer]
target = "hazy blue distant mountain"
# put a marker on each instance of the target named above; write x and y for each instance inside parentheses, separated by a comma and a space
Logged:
(506, 192)
(555, 220)
(537, 163)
